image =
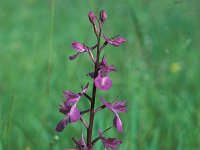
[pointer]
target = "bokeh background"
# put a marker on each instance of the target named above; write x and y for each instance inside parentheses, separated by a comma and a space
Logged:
(158, 72)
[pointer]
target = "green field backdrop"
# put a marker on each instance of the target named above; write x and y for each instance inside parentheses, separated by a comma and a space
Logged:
(159, 71)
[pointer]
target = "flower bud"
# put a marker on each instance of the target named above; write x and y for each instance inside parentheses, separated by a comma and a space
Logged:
(103, 16)
(92, 17)
(78, 46)
(115, 42)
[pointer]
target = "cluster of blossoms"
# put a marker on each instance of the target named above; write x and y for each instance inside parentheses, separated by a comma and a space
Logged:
(101, 81)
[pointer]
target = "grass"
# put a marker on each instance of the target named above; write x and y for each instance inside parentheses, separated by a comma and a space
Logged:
(158, 71)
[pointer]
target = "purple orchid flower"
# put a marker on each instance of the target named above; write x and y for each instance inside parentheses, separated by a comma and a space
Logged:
(115, 108)
(110, 142)
(115, 42)
(102, 81)
(80, 144)
(69, 108)
(80, 48)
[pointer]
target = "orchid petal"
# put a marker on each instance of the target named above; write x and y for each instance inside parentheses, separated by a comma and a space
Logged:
(74, 114)
(110, 142)
(104, 83)
(100, 134)
(85, 88)
(108, 105)
(73, 56)
(118, 123)
(61, 125)
(114, 42)
(78, 46)
(65, 108)
(81, 144)
(104, 61)
(71, 97)
(91, 74)
(120, 106)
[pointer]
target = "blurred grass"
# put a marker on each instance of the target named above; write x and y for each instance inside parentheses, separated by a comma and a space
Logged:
(158, 71)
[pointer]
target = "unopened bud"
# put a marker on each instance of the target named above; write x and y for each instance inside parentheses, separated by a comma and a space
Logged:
(103, 16)
(92, 17)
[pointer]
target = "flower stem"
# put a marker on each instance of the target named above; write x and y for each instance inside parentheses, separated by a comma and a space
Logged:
(88, 97)
(100, 108)
(95, 140)
(92, 111)
(85, 111)
(84, 123)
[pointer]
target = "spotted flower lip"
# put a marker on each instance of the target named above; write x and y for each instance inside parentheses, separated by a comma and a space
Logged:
(115, 42)
(80, 48)
(69, 108)
(110, 142)
(115, 108)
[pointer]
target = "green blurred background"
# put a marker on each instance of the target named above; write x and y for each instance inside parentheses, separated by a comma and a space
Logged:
(158, 72)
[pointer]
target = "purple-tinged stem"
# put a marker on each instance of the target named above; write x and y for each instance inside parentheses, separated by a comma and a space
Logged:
(95, 140)
(105, 43)
(91, 56)
(85, 111)
(88, 97)
(92, 112)
(102, 47)
(74, 141)
(93, 47)
(84, 123)
(100, 108)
